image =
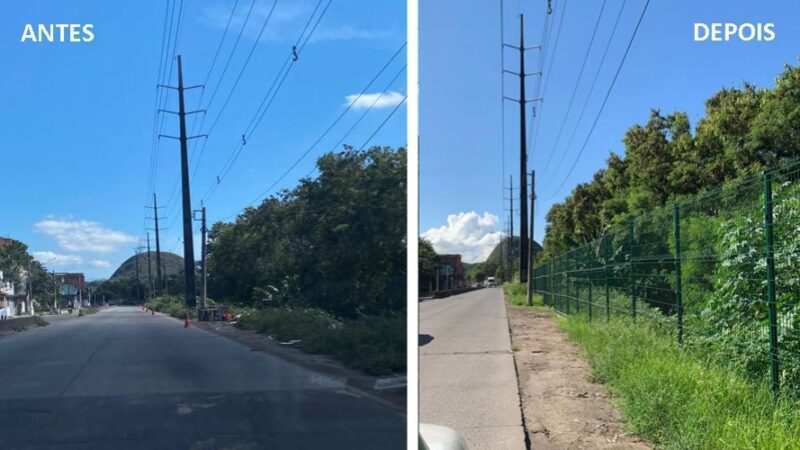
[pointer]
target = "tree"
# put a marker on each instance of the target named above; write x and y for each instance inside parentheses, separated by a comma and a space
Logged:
(743, 131)
(427, 264)
(335, 242)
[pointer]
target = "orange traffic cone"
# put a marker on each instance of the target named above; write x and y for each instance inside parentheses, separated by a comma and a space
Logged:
(186, 323)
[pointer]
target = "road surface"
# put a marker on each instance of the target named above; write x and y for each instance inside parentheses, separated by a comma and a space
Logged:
(124, 379)
(467, 377)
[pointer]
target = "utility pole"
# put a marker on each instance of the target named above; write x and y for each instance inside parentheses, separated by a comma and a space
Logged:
(530, 241)
(138, 279)
(55, 287)
(29, 292)
(188, 241)
(159, 282)
(523, 163)
(149, 270)
(511, 231)
(203, 266)
(523, 150)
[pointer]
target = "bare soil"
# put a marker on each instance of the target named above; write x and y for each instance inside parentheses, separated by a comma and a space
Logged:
(562, 408)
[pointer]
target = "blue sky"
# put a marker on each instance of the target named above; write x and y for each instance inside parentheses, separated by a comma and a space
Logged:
(78, 117)
(461, 157)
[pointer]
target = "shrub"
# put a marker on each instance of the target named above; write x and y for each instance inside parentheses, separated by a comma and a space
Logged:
(374, 344)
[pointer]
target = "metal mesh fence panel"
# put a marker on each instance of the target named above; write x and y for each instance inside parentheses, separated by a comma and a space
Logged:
(719, 271)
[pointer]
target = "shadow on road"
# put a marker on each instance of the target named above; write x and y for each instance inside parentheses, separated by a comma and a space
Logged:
(425, 339)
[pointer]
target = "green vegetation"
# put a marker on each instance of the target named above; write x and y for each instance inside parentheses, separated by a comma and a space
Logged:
(88, 311)
(427, 266)
(336, 242)
(374, 344)
(324, 262)
(15, 260)
(675, 400)
(122, 286)
(517, 294)
(744, 131)
(688, 204)
(172, 305)
(171, 265)
(497, 261)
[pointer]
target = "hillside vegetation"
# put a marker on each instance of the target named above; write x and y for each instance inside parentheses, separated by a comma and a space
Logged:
(744, 130)
(496, 262)
(171, 264)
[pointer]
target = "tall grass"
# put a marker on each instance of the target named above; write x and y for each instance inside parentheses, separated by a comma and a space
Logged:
(677, 401)
(373, 344)
(517, 294)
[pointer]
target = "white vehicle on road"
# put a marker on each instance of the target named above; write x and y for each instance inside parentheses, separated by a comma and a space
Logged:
(490, 282)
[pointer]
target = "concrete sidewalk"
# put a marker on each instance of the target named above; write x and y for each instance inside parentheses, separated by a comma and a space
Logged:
(467, 377)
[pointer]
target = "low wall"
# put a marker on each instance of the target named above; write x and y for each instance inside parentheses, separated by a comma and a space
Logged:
(18, 323)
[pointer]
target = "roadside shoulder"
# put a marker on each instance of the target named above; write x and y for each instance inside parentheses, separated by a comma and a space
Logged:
(561, 406)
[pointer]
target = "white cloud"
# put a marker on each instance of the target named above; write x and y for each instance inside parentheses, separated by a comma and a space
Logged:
(284, 24)
(347, 33)
(379, 100)
(467, 233)
(56, 259)
(100, 264)
(84, 236)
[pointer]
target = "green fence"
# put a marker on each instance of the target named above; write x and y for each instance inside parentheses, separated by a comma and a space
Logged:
(720, 271)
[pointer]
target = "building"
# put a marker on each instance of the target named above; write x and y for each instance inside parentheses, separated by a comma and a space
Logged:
(73, 288)
(12, 303)
(449, 272)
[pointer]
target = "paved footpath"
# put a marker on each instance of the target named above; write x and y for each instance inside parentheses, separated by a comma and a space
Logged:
(123, 379)
(467, 377)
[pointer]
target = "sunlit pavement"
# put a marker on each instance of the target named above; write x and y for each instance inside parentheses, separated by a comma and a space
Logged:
(467, 377)
(124, 379)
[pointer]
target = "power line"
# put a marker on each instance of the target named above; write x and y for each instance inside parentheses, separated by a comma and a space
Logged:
(268, 99)
(336, 121)
(575, 88)
(166, 40)
(591, 90)
(536, 112)
(555, 44)
(235, 84)
(230, 56)
(214, 62)
(605, 100)
(197, 156)
(167, 95)
(364, 114)
(383, 123)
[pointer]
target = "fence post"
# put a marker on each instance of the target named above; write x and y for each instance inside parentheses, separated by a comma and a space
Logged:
(590, 299)
(575, 283)
(676, 219)
(773, 315)
(631, 280)
(607, 255)
(552, 286)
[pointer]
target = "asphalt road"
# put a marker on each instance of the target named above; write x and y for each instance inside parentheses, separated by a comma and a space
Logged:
(123, 379)
(467, 377)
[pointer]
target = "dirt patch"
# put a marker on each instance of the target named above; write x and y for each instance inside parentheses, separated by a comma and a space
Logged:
(562, 408)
